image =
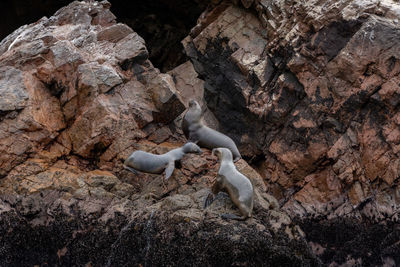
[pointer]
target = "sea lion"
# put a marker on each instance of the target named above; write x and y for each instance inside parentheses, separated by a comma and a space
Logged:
(152, 163)
(192, 115)
(196, 131)
(238, 186)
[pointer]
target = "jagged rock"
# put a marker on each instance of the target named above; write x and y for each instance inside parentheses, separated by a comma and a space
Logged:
(114, 33)
(166, 99)
(190, 87)
(131, 49)
(81, 96)
(311, 96)
(115, 216)
(294, 106)
(79, 86)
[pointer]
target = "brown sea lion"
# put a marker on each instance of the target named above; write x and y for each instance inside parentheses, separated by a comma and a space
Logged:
(238, 186)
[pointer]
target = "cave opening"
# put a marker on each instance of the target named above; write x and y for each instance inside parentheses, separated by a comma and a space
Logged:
(163, 24)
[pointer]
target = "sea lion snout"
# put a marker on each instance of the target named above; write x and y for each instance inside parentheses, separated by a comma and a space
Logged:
(192, 103)
(191, 147)
(214, 151)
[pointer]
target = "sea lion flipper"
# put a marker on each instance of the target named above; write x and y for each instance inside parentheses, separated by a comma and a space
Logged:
(169, 170)
(209, 200)
(131, 169)
(193, 137)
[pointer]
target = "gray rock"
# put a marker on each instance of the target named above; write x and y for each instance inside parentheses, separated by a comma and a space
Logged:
(13, 94)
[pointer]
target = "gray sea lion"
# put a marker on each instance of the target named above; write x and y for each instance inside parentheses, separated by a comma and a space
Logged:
(152, 163)
(192, 115)
(196, 131)
(238, 186)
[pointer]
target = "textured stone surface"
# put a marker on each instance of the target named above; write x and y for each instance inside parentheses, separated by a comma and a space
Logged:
(12, 90)
(309, 91)
(80, 95)
(57, 214)
(76, 87)
(321, 134)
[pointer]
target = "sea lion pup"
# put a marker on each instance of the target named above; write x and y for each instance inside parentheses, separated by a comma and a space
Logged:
(152, 163)
(196, 131)
(238, 186)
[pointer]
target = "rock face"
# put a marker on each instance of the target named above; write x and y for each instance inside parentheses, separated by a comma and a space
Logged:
(326, 137)
(79, 88)
(78, 95)
(94, 218)
(310, 91)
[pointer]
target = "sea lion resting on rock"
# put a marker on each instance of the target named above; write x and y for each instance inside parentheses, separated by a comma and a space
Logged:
(238, 186)
(152, 163)
(196, 131)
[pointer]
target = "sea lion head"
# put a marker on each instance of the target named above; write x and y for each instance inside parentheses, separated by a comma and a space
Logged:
(222, 153)
(194, 104)
(190, 147)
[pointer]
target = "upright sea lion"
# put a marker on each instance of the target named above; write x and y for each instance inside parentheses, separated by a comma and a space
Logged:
(196, 131)
(238, 186)
(192, 115)
(152, 163)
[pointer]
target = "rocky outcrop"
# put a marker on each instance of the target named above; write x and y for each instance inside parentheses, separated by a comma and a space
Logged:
(67, 217)
(316, 97)
(79, 96)
(309, 89)
(79, 87)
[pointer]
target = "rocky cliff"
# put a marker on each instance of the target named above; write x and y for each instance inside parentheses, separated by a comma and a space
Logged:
(308, 89)
(79, 94)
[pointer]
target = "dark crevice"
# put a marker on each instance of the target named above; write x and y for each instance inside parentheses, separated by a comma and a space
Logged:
(15, 13)
(163, 24)
(9, 114)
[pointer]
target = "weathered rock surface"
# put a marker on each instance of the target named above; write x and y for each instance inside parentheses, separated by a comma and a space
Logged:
(78, 96)
(310, 91)
(327, 134)
(79, 87)
(59, 215)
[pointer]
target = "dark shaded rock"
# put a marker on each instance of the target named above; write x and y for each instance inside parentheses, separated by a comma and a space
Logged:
(347, 241)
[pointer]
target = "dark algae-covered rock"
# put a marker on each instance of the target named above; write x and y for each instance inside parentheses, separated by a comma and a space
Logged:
(163, 225)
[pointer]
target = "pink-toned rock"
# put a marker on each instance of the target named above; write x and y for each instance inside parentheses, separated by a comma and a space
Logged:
(114, 33)
(71, 90)
(167, 100)
(131, 49)
(311, 90)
